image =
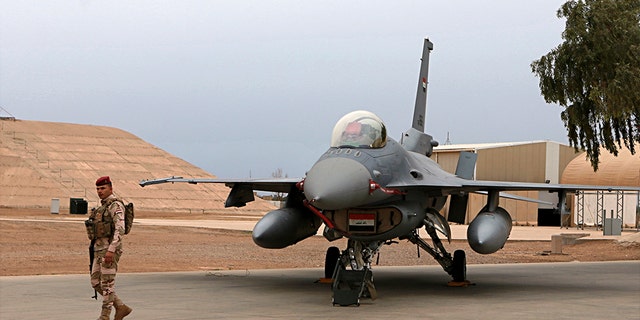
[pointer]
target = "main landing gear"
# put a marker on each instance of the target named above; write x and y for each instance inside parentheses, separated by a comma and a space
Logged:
(456, 267)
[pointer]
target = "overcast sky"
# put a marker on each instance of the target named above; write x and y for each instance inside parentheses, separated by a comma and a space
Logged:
(242, 88)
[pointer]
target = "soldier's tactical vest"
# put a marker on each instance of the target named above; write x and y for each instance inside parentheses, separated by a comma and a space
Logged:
(102, 225)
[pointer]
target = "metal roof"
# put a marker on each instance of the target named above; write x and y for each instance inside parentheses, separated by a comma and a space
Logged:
(490, 145)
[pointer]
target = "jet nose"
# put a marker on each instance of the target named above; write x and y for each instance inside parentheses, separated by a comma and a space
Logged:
(337, 183)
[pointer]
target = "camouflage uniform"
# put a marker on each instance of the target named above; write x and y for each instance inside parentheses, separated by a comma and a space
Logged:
(103, 275)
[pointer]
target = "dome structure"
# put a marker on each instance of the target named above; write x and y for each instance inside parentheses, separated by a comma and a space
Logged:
(621, 170)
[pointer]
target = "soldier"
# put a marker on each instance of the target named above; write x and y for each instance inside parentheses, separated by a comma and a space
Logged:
(108, 230)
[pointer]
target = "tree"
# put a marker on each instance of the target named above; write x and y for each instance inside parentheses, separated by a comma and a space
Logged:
(279, 196)
(595, 75)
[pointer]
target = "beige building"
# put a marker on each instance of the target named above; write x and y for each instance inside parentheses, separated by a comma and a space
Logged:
(535, 161)
(590, 208)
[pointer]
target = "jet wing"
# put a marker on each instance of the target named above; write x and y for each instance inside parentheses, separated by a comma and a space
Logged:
(459, 189)
(480, 185)
(241, 189)
(456, 185)
(271, 185)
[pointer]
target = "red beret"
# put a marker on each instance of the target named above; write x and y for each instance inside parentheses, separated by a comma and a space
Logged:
(103, 180)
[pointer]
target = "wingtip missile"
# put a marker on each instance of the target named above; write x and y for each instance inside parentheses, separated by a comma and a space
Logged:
(145, 182)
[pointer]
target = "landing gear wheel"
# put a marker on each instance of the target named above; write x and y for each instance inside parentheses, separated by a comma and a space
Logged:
(331, 261)
(459, 268)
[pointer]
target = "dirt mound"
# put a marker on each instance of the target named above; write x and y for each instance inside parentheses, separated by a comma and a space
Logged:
(40, 161)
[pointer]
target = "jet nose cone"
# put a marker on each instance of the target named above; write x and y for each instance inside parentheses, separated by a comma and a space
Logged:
(337, 183)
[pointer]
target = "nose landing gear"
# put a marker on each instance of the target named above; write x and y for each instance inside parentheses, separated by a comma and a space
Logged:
(352, 276)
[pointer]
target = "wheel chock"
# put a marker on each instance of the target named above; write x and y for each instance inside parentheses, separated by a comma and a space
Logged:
(324, 280)
(465, 283)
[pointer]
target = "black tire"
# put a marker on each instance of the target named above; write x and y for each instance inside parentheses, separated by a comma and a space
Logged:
(459, 269)
(331, 261)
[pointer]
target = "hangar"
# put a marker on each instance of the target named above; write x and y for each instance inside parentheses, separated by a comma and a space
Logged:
(550, 162)
(591, 208)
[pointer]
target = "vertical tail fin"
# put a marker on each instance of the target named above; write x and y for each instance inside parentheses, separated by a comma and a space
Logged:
(420, 110)
(415, 139)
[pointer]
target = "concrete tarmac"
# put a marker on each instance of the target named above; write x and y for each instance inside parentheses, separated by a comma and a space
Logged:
(576, 290)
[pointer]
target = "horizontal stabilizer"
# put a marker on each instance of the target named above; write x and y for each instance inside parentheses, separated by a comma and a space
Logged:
(466, 165)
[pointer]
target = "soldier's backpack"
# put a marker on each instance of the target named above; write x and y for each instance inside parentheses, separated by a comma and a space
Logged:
(128, 217)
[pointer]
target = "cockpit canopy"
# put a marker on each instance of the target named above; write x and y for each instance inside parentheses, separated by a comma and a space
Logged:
(359, 129)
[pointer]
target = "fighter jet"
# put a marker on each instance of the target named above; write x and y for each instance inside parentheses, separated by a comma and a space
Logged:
(373, 190)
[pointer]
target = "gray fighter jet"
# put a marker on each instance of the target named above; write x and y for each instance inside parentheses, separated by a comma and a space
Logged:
(372, 190)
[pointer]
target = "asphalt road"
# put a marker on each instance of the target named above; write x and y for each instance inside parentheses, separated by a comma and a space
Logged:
(601, 290)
